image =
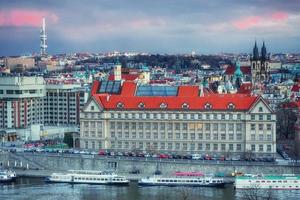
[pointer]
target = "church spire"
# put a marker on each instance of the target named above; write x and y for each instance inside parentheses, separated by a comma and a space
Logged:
(263, 52)
(255, 55)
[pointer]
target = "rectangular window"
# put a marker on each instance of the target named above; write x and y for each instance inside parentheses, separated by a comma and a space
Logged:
(177, 126)
(239, 116)
(162, 145)
(170, 136)
(223, 136)
(260, 117)
(223, 116)
(239, 136)
(170, 126)
(223, 147)
(261, 137)
(268, 117)
(216, 136)
(268, 147)
(238, 127)
(269, 126)
(207, 147)
(133, 135)
(231, 147)
(252, 127)
(253, 147)
(231, 136)
(177, 135)
(169, 146)
(215, 147)
(215, 127)
(223, 127)
(252, 136)
(184, 146)
(261, 147)
(269, 137)
(199, 146)
(252, 117)
(185, 136)
(207, 136)
(230, 127)
(260, 127)
(238, 147)
(162, 135)
(192, 146)
(207, 127)
(192, 136)
(177, 146)
(200, 136)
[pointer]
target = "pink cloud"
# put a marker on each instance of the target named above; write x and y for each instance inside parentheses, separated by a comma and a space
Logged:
(21, 17)
(271, 20)
(280, 16)
(247, 22)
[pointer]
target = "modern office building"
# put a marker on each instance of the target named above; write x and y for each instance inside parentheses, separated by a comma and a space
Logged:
(125, 116)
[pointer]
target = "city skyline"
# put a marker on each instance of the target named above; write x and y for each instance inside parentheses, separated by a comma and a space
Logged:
(169, 26)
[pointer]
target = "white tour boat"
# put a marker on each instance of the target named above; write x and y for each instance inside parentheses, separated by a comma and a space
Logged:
(7, 176)
(279, 182)
(88, 177)
(197, 181)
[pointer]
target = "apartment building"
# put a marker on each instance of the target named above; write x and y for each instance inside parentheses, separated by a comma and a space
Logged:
(124, 116)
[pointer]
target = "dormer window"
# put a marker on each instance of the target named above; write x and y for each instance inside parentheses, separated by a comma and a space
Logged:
(141, 105)
(231, 106)
(120, 105)
(163, 105)
(260, 109)
(208, 106)
(185, 106)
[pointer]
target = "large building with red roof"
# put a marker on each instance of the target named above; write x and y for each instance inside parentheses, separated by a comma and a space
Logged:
(125, 116)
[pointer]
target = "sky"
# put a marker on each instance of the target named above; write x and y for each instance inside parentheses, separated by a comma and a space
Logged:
(153, 26)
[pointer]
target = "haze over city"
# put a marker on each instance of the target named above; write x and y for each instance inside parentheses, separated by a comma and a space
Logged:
(169, 26)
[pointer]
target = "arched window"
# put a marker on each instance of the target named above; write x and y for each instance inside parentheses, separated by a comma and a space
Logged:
(231, 106)
(185, 106)
(141, 105)
(163, 105)
(120, 105)
(208, 106)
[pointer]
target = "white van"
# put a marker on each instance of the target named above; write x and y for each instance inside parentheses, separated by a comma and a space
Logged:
(196, 156)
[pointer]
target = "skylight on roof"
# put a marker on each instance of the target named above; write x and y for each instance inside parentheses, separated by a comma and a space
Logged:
(156, 90)
(112, 87)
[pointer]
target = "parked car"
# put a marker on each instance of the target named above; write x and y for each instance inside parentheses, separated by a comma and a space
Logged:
(196, 156)
(163, 155)
(101, 152)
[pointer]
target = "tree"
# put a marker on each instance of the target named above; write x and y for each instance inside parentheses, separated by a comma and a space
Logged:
(68, 139)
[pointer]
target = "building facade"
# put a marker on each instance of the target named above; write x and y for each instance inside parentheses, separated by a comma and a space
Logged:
(128, 117)
(63, 103)
(21, 101)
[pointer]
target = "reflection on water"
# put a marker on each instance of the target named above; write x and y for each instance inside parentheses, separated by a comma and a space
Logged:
(35, 188)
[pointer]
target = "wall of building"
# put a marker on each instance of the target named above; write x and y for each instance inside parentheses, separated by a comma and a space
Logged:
(90, 162)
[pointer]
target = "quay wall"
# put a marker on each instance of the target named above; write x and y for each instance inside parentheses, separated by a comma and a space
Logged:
(62, 162)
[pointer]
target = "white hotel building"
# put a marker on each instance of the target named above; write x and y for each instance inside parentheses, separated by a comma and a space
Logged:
(123, 116)
(30, 100)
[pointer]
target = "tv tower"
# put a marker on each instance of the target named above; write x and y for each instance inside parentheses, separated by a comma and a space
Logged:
(43, 38)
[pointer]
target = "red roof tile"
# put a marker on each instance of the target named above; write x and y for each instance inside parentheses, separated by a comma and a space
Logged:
(186, 94)
(245, 69)
(126, 77)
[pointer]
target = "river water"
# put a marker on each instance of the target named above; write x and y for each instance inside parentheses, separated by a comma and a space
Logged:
(36, 189)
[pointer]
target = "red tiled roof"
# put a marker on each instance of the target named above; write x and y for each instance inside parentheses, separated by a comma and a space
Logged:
(245, 88)
(296, 88)
(230, 70)
(126, 77)
(186, 94)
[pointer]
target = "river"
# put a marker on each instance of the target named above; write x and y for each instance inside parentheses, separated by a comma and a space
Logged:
(36, 189)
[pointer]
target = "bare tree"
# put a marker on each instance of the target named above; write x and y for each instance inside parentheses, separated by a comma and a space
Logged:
(256, 193)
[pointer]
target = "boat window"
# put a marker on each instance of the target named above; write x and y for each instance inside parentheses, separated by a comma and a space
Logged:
(207, 181)
(279, 181)
(274, 181)
(285, 181)
(162, 180)
(213, 181)
(268, 181)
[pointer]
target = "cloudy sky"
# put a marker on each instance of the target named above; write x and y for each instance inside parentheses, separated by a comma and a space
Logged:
(155, 26)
